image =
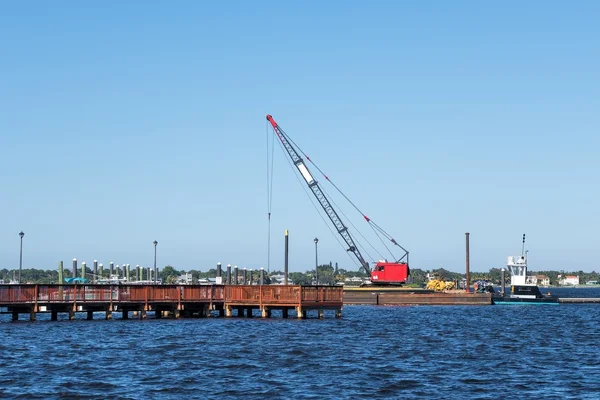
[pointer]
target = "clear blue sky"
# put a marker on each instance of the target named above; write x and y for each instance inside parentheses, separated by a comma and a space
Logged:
(126, 122)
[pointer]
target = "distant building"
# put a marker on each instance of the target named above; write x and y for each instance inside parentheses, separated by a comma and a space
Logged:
(542, 280)
(279, 279)
(185, 279)
(570, 280)
(353, 281)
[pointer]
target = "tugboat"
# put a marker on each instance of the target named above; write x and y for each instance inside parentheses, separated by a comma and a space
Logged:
(523, 287)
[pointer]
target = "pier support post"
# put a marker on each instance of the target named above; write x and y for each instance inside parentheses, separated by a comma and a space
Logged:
(249, 312)
(320, 314)
(285, 312)
(265, 312)
(338, 313)
(177, 314)
(158, 314)
(143, 314)
(299, 312)
(71, 315)
(53, 315)
(32, 315)
(228, 311)
(109, 314)
(15, 316)
(90, 315)
(125, 314)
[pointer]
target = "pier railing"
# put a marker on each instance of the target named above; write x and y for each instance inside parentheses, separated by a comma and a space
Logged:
(240, 294)
(283, 295)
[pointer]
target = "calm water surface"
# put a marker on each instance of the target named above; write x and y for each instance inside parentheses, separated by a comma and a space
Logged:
(508, 352)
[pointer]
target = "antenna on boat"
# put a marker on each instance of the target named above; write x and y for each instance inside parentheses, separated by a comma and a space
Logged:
(523, 248)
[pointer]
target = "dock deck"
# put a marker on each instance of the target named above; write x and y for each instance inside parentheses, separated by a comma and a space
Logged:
(176, 300)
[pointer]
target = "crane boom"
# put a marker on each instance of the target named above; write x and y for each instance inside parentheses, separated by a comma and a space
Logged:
(321, 198)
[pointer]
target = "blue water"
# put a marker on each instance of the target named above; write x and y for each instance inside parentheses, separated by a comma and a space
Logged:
(465, 352)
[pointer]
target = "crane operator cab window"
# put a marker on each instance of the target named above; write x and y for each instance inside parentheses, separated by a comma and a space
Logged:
(379, 268)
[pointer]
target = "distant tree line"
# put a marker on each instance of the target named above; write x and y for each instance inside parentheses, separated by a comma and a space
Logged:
(329, 274)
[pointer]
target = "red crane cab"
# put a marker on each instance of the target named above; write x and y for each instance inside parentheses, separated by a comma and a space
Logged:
(389, 273)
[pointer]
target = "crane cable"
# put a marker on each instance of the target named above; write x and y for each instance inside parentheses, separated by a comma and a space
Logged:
(311, 198)
(353, 226)
(373, 224)
(270, 162)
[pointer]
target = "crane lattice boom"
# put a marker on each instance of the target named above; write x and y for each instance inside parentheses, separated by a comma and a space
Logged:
(320, 196)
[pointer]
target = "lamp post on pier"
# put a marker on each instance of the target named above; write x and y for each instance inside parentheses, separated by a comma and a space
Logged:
(21, 234)
(316, 262)
(155, 243)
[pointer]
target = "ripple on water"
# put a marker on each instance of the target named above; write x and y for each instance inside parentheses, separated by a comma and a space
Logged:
(385, 352)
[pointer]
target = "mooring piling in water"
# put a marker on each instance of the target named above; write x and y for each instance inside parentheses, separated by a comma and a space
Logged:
(95, 277)
(262, 276)
(111, 268)
(83, 268)
(244, 276)
(235, 275)
(219, 279)
(285, 270)
(74, 268)
(228, 279)
(468, 283)
(60, 273)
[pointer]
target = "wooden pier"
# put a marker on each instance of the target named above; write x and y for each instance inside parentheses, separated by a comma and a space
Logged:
(165, 300)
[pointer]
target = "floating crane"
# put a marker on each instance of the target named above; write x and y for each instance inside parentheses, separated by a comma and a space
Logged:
(384, 272)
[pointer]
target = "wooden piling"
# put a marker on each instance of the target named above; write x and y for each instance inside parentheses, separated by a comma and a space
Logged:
(83, 267)
(468, 283)
(285, 270)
